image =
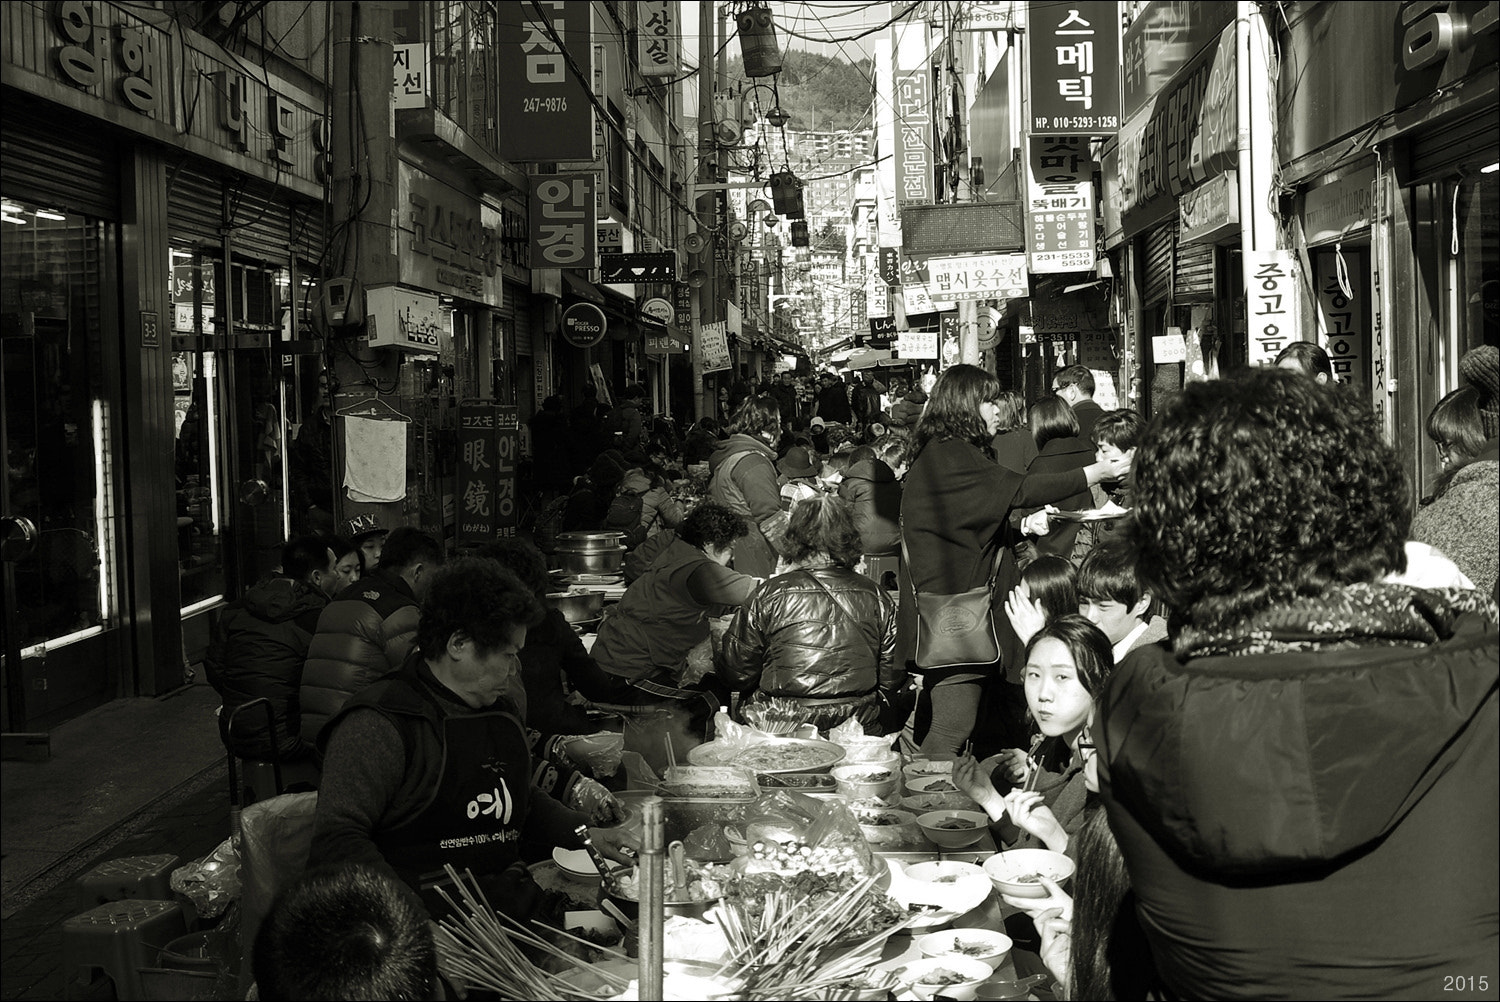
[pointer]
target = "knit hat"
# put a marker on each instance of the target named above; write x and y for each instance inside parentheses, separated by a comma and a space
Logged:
(796, 463)
(1481, 367)
(817, 422)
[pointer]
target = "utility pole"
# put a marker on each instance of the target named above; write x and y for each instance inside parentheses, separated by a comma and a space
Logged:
(706, 202)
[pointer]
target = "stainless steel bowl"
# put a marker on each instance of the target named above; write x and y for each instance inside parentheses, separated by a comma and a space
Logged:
(592, 561)
(578, 606)
(589, 542)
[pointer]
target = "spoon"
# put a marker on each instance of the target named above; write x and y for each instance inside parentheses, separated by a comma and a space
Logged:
(994, 990)
(678, 853)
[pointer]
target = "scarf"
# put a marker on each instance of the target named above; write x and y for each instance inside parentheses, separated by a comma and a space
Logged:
(1360, 615)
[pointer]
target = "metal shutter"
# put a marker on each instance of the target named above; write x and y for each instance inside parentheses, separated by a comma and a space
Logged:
(1469, 142)
(1193, 273)
(47, 160)
(1156, 282)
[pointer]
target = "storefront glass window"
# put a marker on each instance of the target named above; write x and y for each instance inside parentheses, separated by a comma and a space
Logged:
(1477, 231)
(56, 424)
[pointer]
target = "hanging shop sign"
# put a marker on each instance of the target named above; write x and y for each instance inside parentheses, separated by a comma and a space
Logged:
(682, 304)
(1273, 303)
(409, 74)
(1210, 213)
(448, 240)
(478, 459)
(1330, 212)
(1074, 68)
(508, 453)
(583, 325)
(1185, 136)
(984, 276)
(657, 310)
(1059, 204)
(658, 266)
(1163, 38)
(882, 334)
(545, 55)
(1338, 285)
(917, 344)
(714, 340)
(658, 38)
(890, 266)
(563, 234)
(611, 238)
(913, 101)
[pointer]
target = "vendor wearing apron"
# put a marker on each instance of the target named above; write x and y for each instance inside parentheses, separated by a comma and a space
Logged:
(431, 766)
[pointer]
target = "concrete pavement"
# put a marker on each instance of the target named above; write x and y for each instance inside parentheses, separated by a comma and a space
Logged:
(133, 777)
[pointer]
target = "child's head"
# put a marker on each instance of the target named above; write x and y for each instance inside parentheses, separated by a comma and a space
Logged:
(1109, 594)
(1053, 582)
(894, 449)
(1116, 434)
(1067, 664)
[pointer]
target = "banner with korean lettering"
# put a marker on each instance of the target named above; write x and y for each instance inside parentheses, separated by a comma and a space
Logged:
(544, 110)
(914, 172)
(563, 234)
(658, 38)
(478, 465)
(1272, 304)
(714, 342)
(1059, 204)
(410, 73)
(1338, 284)
(1074, 70)
(508, 453)
(981, 276)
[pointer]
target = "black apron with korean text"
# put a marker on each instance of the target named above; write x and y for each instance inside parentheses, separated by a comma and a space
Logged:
(475, 815)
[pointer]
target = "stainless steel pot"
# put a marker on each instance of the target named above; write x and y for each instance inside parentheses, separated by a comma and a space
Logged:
(608, 561)
(578, 606)
(588, 542)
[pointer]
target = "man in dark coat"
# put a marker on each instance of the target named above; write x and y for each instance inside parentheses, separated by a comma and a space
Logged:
(833, 400)
(1075, 384)
(259, 646)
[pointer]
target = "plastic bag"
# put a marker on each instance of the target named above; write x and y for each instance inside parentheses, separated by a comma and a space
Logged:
(782, 818)
(212, 883)
(598, 753)
(860, 748)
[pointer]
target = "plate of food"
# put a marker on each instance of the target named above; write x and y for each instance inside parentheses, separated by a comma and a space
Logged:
(932, 784)
(1109, 511)
(772, 756)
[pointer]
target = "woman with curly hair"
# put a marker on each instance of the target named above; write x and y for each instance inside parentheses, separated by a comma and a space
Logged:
(955, 510)
(744, 480)
(819, 634)
(1314, 738)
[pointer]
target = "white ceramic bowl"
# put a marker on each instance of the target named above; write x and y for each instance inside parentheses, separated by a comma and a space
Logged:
(984, 945)
(938, 826)
(864, 781)
(972, 971)
(931, 784)
(1014, 872)
(575, 863)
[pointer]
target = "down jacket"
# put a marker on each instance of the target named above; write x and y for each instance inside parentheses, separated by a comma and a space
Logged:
(871, 488)
(1312, 824)
(745, 481)
(259, 645)
(814, 635)
(363, 635)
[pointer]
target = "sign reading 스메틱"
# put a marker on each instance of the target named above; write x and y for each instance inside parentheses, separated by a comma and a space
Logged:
(1075, 68)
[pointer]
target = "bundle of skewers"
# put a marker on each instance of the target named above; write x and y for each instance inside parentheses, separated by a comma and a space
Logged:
(488, 949)
(794, 936)
(776, 715)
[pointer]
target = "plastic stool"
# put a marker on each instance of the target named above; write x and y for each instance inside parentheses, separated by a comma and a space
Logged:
(882, 567)
(129, 877)
(119, 938)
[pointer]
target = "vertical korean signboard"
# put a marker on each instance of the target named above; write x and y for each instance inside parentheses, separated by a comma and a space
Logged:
(544, 110)
(1059, 204)
(659, 38)
(914, 172)
(1341, 311)
(563, 234)
(1272, 304)
(1074, 68)
(507, 452)
(478, 465)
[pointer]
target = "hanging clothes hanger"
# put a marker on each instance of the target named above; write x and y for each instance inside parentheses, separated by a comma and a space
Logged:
(374, 409)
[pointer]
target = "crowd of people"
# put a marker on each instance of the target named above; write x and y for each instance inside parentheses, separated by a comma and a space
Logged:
(1220, 658)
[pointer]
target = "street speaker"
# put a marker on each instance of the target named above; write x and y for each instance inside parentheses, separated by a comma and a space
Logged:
(771, 220)
(694, 243)
(697, 278)
(738, 231)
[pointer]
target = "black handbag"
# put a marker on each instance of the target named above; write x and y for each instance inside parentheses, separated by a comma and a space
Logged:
(954, 630)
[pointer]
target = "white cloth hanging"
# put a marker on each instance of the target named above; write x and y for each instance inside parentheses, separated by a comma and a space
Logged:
(374, 459)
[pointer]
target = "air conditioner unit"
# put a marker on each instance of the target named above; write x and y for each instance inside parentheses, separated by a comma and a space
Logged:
(404, 319)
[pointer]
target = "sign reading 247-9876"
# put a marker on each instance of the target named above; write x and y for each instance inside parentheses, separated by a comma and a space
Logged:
(544, 56)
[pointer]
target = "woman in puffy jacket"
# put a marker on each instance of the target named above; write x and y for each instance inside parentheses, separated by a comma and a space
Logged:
(745, 481)
(820, 634)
